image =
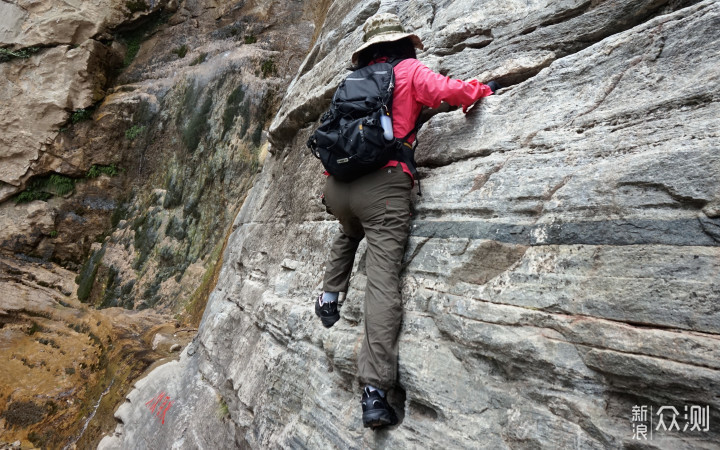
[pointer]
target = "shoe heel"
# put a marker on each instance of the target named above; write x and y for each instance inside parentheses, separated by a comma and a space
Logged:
(374, 419)
(329, 321)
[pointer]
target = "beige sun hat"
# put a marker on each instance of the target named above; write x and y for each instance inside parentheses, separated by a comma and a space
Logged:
(384, 27)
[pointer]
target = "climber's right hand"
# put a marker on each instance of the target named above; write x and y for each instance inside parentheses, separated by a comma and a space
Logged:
(494, 86)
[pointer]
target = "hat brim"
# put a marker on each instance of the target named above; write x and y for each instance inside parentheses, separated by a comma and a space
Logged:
(387, 37)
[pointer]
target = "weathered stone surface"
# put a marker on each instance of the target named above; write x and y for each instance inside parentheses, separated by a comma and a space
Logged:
(38, 95)
(156, 169)
(28, 23)
(59, 355)
(562, 266)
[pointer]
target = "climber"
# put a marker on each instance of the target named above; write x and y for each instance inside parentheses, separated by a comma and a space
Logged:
(377, 206)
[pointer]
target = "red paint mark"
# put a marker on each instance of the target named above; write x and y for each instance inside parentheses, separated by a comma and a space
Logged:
(160, 405)
(164, 411)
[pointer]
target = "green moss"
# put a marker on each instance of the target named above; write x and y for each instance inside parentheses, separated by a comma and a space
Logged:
(110, 294)
(133, 47)
(232, 108)
(134, 131)
(146, 236)
(136, 6)
(54, 234)
(167, 256)
(81, 115)
(61, 184)
(7, 54)
(150, 296)
(199, 60)
(45, 187)
(120, 213)
(181, 51)
(250, 39)
(87, 275)
(97, 169)
(257, 136)
(173, 194)
(30, 196)
(195, 306)
(197, 126)
(223, 410)
(266, 110)
(34, 328)
(268, 68)
(190, 97)
(175, 229)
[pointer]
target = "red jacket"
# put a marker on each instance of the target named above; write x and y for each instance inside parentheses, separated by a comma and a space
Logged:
(416, 85)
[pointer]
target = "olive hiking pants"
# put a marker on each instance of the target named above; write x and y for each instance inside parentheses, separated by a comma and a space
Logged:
(377, 207)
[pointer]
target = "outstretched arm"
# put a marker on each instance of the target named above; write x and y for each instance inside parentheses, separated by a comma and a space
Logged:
(432, 88)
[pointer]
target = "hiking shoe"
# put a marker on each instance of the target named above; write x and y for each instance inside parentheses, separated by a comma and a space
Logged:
(327, 312)
(377, 412)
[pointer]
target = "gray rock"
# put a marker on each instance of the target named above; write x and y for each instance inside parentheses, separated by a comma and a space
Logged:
(563, 261)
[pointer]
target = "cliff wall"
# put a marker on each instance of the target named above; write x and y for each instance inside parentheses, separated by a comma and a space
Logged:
(132, 131)
(562, 268)
(563, 261)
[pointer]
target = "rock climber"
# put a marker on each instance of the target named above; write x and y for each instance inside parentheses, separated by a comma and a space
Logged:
(377, 207)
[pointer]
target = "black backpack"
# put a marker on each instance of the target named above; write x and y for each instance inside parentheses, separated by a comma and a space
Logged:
(349, 141)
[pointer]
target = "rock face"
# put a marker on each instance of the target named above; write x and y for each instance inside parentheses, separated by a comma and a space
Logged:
(562, 268)
(60, 358)
(59, 65)
(132, 131)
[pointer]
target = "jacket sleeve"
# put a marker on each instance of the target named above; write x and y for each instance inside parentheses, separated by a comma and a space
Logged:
(432, 88)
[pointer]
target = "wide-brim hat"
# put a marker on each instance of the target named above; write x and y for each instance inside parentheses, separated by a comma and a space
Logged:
(384, 27)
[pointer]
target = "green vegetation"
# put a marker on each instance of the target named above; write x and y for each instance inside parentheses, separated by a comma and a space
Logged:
(134, 131)
(223, 410)
(181, 51)
(118, 214)
(133, 38)
(195, 306)
(136, 5)
(109, 296)
(146, 235)
(192, 121)
(28, 196)
(199, 60)
(245, 114)
(257, 136)
(268, 68)
(250, 39)
(54, 234)
(175, 229)
(34, 328)
(233, 108)
(97, 169)
(44, 188)
(87, 275)
(197, 126)
(133, 47)
(82, 115)
(7, 54)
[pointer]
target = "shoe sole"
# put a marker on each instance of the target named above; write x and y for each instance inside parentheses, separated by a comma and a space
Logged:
(377, 419)
(329, 321)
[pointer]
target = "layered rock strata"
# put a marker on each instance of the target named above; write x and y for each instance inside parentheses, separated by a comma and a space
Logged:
(563, 262)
